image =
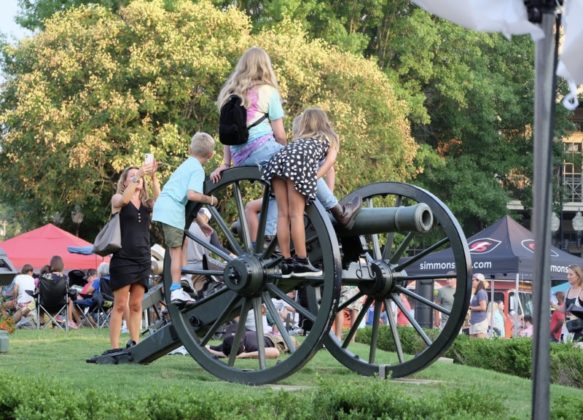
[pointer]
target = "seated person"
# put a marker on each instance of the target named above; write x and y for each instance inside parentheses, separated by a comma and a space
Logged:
(193, 253)
(21, 304)
(287, 314)
(249, 347)
(250, 321)
(85, 295)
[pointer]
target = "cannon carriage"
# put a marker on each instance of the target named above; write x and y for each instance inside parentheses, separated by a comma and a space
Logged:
(371, 258)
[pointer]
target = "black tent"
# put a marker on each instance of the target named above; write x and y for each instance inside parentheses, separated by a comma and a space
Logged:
(501, 251)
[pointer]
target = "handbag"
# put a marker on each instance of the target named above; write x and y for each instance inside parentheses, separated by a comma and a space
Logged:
(108, 240)
(574, 325)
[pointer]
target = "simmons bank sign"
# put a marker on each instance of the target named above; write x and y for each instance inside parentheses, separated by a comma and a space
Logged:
(481, 246)
(482, 251)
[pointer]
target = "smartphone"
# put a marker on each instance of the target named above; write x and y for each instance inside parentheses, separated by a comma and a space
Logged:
(148, 158)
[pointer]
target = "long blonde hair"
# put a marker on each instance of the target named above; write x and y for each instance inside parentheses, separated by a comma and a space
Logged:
(253, 69)
(314, 123)
(122, 180)
(578, 270)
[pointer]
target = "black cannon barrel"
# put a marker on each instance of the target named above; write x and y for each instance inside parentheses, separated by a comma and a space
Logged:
(417, 218)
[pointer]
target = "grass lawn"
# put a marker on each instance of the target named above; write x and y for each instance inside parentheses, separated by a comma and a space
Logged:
(59, 357)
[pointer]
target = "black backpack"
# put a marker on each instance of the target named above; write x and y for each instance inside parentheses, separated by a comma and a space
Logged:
(233, 129)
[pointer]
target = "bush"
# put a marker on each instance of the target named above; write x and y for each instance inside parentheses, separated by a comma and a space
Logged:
(507, 356)
(355, 398)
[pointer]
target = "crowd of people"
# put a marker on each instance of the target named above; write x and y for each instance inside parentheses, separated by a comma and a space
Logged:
(21, 298)
(489, 319)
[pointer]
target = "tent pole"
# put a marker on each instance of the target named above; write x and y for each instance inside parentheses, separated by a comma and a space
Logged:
(491, 310)
(541, 220)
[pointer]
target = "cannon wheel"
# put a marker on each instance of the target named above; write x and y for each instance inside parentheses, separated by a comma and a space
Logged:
(386, 254)
(251, 279)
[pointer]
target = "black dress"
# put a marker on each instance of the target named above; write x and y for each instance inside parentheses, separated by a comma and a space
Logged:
(132, 263)
(299, 162)
(578, 336)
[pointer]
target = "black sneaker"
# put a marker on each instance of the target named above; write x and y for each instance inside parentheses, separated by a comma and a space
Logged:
(287, 266)
(130, 344)
(303, 268)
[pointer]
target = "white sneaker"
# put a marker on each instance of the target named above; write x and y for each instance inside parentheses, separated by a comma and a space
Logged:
(180, 297)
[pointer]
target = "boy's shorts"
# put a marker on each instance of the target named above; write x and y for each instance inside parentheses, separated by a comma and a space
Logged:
(173, 237)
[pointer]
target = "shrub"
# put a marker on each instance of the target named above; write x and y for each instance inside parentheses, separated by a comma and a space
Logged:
(355, 398)
(507, 356)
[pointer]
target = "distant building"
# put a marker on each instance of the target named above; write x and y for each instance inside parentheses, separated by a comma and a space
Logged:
(567, 224)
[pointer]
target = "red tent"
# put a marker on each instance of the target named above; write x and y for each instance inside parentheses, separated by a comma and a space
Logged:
(39, 245)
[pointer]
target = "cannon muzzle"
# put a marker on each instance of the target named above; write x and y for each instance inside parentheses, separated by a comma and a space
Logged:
(417, 218)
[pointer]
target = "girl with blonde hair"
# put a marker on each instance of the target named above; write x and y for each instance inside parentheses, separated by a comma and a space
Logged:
(254, 81)
(293, 173)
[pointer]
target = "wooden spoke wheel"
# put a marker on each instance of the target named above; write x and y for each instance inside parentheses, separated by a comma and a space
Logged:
(245, 280)
(378, 291)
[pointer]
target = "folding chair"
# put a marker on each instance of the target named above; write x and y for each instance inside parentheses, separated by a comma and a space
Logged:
(104, 302)
(76, 278)
(52, 300)
(85, 309)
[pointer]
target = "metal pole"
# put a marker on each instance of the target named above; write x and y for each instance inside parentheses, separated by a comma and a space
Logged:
(423, 313)
(541, 220)
(491, 306)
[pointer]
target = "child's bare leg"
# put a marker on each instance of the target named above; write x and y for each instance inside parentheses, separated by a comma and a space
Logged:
(283, 232)
(178, 295)
(339, 324)
(175, 266)
(297, 204)
(252, 210)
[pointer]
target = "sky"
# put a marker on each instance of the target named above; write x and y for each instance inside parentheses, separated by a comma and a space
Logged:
(8, 10)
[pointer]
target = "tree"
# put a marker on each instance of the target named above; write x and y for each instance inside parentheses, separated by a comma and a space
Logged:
(469, 94)
(96, 89)
(33, 13)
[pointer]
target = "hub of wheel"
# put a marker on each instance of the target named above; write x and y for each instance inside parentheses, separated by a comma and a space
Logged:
(244, 275)
(383, 280)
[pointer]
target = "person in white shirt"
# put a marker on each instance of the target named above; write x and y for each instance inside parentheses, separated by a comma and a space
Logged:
(22, 303)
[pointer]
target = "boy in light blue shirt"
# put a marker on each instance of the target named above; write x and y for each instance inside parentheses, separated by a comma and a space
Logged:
(185, 184)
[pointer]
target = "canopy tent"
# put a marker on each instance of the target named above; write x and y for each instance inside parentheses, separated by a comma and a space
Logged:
(39, 245)
(563, 287)
(501, 251)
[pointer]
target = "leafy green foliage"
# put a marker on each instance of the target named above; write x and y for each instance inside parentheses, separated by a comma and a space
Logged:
(468, 95)
(513, 357)
(354, 399)
(96, 89)
(33, 13)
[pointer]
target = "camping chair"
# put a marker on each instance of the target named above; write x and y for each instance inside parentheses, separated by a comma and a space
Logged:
(52, 300)
(103, 303)
(86, 309)
(76, 278)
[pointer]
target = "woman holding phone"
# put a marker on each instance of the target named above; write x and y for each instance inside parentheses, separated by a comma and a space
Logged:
(130, 267)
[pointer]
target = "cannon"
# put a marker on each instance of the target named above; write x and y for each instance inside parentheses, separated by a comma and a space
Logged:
(397, 225)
